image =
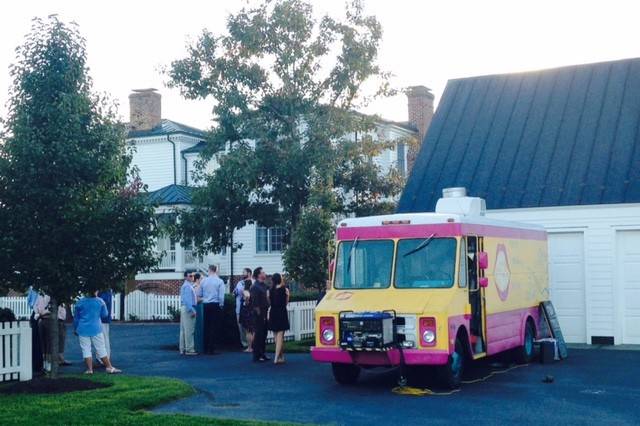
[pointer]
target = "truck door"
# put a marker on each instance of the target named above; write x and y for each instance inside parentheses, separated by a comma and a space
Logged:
(476, 294)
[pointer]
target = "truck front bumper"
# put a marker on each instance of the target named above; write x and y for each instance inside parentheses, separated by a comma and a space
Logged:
(389, 358)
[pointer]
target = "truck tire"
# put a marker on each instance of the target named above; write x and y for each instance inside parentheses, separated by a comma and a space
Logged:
(345, 374)
(450, 374)
(524, 354)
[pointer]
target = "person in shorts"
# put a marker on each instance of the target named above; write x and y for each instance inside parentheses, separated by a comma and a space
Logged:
(87, 325)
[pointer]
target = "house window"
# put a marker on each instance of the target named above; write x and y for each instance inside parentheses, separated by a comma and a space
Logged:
(276, 239)
(402, 166)
(269, 240)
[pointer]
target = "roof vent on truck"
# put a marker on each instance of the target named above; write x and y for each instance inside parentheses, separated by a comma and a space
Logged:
(458, 191)
(456, 201)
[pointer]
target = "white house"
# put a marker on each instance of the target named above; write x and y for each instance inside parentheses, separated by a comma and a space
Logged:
(166, 152)
(559, 148)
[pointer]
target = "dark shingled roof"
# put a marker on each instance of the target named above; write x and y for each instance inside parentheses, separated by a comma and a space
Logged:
(171, 194)
(167, 127)
(197, 148)
(403, 124)
(557, 137)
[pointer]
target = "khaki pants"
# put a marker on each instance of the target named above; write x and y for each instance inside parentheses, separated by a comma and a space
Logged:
(187, 330)
(107, 341)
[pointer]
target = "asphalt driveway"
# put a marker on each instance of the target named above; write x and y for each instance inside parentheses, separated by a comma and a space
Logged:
(593, 386)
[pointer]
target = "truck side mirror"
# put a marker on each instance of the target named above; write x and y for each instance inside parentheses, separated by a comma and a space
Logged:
(484, 282)
(483, 260)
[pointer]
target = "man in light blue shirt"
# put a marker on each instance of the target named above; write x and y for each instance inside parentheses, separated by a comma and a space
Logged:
(212, 294)
(188, 303)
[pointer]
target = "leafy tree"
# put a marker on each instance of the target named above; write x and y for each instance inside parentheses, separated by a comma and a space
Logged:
(285, 86)
(72, 217)
(306, 259)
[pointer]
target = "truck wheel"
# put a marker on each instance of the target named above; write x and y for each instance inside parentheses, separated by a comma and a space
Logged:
(345, 374)
(451, 372)
(524, 353)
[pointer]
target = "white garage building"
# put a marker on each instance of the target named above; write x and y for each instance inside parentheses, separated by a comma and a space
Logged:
(594, 269)
(559, 148)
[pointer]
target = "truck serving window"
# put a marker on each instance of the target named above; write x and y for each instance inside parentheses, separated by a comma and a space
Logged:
(426, 263)
(364, 264)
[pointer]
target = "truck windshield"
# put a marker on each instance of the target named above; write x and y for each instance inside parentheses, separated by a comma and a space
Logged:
(364, 264)
(426, 263)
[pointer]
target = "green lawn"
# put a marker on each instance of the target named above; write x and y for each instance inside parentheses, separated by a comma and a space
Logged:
(122, 404)
(302, 346)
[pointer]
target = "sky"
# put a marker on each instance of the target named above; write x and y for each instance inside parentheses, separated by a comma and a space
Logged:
(425, 42)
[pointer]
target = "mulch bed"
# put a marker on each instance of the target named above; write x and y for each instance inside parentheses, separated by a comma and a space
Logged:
(43, 385)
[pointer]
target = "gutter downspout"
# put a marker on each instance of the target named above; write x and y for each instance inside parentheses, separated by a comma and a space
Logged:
(173, 143)
(184, 159)
(231, 261)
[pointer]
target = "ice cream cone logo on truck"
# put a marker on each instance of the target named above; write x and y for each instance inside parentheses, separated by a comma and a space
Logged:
(502, 272)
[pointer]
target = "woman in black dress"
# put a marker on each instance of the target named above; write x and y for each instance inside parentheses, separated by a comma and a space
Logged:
(278, 317)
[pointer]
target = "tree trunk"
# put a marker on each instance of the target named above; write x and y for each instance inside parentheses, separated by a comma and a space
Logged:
(53, 337)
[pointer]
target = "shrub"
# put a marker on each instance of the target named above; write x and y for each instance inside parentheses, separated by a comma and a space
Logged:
(174, 312)
(230, 334)
(6, 315)
(302, 296)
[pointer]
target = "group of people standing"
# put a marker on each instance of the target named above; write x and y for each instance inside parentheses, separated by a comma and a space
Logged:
(210, 292)
(259, 308)
(91, 320)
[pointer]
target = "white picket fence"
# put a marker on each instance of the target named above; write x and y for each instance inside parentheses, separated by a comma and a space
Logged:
(141, 306)
(18, 306)
(301, 321)
(148, 307)
(20, 309)
(15, 351)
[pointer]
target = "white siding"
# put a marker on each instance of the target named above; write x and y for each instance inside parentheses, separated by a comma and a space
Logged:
(599, 225)
(154, 159)
(191, 166)
(184, 142)
(192, 158)
(247, 257)
(389, 157)
(628, 268)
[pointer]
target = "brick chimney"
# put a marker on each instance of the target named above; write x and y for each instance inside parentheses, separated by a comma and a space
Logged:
(420, 109)
(145, 109)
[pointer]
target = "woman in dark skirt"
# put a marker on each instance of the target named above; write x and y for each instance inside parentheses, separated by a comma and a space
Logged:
(278, 317)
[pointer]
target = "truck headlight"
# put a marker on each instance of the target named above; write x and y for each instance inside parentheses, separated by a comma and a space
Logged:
(428, 331)
(429, 336)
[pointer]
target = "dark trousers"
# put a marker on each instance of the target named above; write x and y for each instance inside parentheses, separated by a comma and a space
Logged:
(212, 323)
(36, 351)
(44, 331)
(259, 338)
